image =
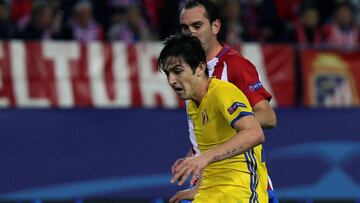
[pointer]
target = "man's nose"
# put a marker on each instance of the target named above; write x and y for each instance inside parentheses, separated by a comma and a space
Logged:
(171, 79)
(192, 31)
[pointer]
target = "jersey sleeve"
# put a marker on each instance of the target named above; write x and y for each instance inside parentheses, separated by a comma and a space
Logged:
(244, 75)
(232, 104)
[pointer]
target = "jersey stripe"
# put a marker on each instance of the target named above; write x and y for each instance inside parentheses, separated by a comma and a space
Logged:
(224, 74)
(243, 113)
(256, 176)
(254, 179)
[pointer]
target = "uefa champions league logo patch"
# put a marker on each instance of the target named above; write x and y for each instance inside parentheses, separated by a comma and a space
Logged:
(255, 86)
(234, 106)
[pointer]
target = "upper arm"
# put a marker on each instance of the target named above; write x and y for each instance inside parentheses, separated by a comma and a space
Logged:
(250, 129)
(232, 104)
(244, 75)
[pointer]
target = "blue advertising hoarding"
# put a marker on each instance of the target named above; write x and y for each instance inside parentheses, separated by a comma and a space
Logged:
(127, 153)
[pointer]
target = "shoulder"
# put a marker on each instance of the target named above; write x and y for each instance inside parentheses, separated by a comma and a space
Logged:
(235, 60)
(223, 88)
(225, 94)
(238, 67)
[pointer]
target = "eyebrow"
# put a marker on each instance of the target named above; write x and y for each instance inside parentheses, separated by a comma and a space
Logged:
(197, 22)
(192, 24)
(173, 67)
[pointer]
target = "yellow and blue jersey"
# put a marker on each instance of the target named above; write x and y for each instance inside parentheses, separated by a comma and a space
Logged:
(239, 178)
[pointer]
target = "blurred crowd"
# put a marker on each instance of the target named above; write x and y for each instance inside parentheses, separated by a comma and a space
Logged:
(306, 22)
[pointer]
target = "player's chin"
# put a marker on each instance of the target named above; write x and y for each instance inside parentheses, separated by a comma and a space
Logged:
(185, 97)
(182, 95)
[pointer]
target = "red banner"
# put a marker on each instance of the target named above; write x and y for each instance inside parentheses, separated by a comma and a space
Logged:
(330, 78)
(280, 69)
(70, 74)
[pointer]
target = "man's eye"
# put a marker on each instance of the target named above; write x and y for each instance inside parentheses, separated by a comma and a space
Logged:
(197, 26)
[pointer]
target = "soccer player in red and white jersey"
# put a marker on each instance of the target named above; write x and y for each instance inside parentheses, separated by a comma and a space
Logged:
(200, 18)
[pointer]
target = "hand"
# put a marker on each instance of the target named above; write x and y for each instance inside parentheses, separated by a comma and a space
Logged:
(190, 166)
(177, 162)
(187, 194)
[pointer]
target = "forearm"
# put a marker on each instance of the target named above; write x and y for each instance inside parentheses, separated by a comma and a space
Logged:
(266, 119)
(264, 114)
(249, 134)
(238, 144)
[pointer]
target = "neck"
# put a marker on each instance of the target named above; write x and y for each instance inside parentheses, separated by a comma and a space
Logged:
(214, 49)
(202, 90)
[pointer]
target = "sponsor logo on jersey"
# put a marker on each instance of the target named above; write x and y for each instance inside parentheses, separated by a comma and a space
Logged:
(234, 106)
(255, 86)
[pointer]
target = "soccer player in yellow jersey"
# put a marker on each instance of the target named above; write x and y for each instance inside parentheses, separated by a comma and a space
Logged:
(228, 135)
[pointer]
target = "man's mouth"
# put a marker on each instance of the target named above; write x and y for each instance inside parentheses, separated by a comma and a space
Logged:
(177, 89)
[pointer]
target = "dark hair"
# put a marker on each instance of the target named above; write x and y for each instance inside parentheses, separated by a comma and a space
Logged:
(212, 11)
(186, 48)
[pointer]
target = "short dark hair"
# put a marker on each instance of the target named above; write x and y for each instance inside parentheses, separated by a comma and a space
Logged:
(186, 48)
(212, 11)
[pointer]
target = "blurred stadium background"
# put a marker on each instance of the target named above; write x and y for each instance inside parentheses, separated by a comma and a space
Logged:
(86, 117)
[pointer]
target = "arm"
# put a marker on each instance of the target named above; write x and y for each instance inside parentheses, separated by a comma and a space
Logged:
(249, 134)
(244, 75)
(265, 114)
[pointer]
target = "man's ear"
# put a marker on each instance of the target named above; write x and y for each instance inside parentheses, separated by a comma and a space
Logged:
(215, 26)
(201, 69)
